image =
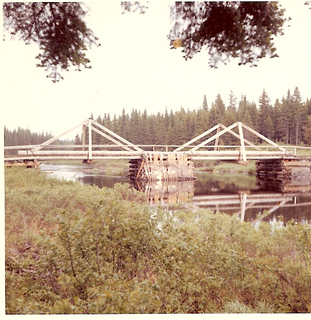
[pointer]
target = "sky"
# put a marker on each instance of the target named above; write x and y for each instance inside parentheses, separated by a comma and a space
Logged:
(135, 68)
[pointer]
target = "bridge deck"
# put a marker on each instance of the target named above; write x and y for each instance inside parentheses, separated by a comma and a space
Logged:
(43, 155)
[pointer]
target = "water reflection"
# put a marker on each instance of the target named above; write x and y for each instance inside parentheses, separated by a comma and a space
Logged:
(252, 199)
(254, 203)
(166, 192)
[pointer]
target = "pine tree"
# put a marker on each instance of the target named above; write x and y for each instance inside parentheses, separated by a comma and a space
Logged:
(231, 113)
(307, 131)
(221, 108)
(77, 140)
(299, 113)
(254, 112)
(202, 121)
(247, 120)
(190, 124)
(145, 138)
(265, 121)
(287, 118)
(152, 129)
(232, 101)
(160, 129)
(277, 121)
(242, 108)
(308, 106)
(170, 137)
(213, 116)
(204, 104)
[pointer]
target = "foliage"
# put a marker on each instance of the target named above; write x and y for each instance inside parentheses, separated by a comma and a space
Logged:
(265, 111)
(129, 6)
(307, 131)
(22, 136)
(278, 122)
(58, 29)
(73, 249)
(227, 29)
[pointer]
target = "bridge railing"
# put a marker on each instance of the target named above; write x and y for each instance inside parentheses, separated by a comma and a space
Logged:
(151, 147)
(207, 151)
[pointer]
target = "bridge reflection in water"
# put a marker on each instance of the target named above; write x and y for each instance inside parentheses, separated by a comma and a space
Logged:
(271, 198)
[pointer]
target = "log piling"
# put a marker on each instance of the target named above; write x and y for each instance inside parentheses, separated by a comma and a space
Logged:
(284, 175)
(155, 166)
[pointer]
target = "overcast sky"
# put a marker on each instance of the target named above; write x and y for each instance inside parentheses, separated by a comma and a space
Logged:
(134, 68)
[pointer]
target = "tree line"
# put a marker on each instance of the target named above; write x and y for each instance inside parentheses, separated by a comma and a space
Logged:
(287, 120)
(22, 136)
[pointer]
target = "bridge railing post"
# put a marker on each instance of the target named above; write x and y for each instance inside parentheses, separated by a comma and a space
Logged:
(243, 152)
(83, 137)
(90, 140)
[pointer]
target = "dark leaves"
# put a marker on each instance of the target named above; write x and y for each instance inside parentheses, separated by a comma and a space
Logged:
(58, 28)
(128, 6)
(227, 29)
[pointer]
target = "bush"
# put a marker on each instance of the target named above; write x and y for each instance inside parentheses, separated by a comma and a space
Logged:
(73, 249)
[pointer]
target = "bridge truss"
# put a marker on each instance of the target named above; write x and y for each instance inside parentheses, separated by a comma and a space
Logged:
(119, 148)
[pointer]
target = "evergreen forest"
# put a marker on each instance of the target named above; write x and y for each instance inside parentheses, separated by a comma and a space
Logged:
(22, 136)
(286, 121)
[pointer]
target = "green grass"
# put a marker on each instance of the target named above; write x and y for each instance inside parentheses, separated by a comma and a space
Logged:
(74, 249)
(96, 165)
(228, 167)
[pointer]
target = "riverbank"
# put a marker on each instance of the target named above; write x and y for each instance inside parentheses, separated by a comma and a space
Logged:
(115, 166)
(226, 167)
(77, 249)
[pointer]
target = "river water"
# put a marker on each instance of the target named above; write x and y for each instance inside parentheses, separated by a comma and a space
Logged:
(249, 198)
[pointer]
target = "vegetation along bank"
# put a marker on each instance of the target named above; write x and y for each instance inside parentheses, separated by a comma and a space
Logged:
(78, 249)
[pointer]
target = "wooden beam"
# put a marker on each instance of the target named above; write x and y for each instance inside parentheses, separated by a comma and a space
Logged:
(42, 145)
(243, 206)
(245, 140)
(197, 138)
(116, 135)
(90, 139)
(263, 137)
(217, 140)
(118, 144)
(83, 136)
(242, 142)
(73, 153)
(78, 157)
(214, 137)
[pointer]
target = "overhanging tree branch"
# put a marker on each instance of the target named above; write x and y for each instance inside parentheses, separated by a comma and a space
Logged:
(58, 28)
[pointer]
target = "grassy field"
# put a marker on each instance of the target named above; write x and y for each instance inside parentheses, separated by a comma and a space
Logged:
(74, 249)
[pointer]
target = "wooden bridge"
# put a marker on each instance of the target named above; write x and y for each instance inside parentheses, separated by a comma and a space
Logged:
(154, 162)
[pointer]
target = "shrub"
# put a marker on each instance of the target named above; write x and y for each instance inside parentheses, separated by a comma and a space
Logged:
(73, 249)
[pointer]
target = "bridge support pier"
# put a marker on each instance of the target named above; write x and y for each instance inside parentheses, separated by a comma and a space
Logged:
(160, 167)
(277, 173)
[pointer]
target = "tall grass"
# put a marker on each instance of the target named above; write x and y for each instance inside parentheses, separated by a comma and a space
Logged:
(73, 249)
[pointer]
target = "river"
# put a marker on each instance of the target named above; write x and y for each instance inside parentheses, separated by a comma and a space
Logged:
(242, 194)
